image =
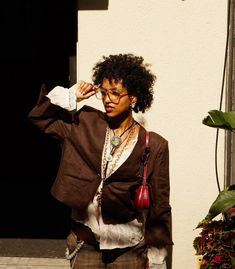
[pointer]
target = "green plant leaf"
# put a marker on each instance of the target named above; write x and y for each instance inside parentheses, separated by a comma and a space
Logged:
(220, 119)
(224, 201)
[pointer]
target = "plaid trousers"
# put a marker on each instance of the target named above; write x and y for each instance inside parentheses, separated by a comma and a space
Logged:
(88, 257)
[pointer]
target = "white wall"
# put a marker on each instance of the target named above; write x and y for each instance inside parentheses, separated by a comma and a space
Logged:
(184, 41)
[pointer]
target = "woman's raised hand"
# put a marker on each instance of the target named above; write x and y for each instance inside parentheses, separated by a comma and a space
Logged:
(84, 90)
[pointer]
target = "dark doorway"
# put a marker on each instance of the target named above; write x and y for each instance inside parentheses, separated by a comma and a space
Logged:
(38, 39)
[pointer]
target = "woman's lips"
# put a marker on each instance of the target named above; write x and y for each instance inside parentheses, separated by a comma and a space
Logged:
(108, 109)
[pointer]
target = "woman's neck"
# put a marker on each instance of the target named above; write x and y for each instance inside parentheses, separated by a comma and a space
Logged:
(121, 122)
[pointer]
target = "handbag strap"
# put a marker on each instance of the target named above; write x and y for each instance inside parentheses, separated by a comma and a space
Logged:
(145, 157)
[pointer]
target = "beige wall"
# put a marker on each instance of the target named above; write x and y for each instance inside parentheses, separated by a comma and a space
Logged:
(184, 41)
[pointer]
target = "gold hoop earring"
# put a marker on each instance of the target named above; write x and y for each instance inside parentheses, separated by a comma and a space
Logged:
(133, 105)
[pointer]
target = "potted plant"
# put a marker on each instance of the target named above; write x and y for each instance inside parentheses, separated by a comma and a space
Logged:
(216, 240)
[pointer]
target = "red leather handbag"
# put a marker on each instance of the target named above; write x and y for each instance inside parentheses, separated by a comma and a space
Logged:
(143, 193)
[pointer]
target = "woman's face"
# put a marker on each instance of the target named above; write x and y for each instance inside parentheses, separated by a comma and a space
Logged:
(115, 98)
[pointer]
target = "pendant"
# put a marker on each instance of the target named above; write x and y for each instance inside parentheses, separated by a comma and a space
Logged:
(109, 158)
(116, 141)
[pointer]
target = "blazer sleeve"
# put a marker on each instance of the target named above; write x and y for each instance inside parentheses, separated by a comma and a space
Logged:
(158, 220)
(49, 118)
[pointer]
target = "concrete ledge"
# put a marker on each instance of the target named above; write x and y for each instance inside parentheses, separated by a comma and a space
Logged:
(33, 263)
(35, 248)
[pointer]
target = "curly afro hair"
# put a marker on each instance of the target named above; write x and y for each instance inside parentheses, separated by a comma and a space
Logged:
(132, 72)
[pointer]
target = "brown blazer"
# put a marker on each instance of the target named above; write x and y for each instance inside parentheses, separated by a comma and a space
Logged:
(81, 135)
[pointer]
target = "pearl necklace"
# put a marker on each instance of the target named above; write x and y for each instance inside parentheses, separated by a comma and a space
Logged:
(107, 158)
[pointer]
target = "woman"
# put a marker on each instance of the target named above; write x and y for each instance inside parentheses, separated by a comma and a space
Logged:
(101, 165)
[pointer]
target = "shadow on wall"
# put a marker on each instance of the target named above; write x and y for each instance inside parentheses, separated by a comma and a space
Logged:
(92, 5)
(35, 49)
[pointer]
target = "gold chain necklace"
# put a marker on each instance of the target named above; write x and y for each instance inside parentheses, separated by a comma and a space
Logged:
(116, 140)
(108, 158)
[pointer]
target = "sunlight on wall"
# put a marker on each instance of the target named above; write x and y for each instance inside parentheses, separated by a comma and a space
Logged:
(184, 41)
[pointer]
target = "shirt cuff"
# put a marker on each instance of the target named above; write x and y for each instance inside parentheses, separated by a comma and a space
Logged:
(157, 258)
(64, 97)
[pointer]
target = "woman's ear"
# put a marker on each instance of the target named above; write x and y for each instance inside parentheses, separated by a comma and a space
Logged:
(133, 100)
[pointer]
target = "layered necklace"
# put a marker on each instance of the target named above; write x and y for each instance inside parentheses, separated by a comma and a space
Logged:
(116, 139)
(108, 157)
